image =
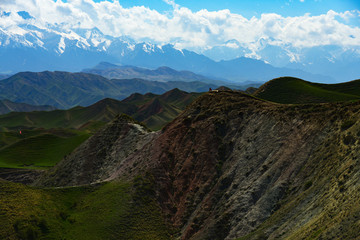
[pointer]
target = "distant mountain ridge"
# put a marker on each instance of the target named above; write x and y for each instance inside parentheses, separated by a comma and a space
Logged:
(153, 110)
(4, 76)
(7, 106)
(161, 74)
(38, 49)
(66, 90)
(337, 62)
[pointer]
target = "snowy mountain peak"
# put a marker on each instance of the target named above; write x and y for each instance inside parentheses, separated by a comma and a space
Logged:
(24, 38)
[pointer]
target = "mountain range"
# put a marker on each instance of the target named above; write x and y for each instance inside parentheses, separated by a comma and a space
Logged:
(336, 61)
(67, 90)
(40, 139)
(151, 109)
(53, 48)
(161, 74)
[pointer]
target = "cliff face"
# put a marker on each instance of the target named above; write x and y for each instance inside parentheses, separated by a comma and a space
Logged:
(234, 166)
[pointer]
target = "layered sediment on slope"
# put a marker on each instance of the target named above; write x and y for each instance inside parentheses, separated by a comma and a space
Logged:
(233, 166)
(95, 160)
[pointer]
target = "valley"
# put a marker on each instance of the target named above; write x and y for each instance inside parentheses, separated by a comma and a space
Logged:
(224, 165)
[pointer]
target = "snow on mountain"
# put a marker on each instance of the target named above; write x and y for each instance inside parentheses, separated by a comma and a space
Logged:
(343, 64)
(31, 45)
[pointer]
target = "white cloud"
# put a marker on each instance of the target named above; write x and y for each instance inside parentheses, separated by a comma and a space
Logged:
(172, 3)
(185, 28)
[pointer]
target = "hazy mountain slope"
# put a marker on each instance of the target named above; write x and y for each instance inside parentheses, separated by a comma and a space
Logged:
(252, 69)
(231, 165)
(4, 76)
(161, 74)
(9, 106)
(294, 90)
(59, 89)
(238, 70)
(65, 90)
(142, 86)
(104, 111)
(170, 104)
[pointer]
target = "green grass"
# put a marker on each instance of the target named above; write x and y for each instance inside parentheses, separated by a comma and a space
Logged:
(110, 211)
(95, 116)
(92, 126)
(36, 149)
(293, 90)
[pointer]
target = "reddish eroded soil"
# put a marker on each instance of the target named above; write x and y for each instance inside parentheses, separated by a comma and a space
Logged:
(230, 161)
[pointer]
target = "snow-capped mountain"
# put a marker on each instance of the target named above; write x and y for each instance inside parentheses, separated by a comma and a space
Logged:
(343, 64)
(39, 47)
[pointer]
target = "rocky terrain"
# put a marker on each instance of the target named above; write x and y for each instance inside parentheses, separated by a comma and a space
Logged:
(233, 166)
(95, 159)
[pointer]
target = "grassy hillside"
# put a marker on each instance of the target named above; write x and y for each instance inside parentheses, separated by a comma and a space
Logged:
(104, 111)
(34, 149)
(294, 90)
(117, 210)
(164, 108)
(137, 106)
(48, 136)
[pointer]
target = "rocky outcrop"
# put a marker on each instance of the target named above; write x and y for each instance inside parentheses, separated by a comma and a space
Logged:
(96, 159)
(234, 166)
(25, 176)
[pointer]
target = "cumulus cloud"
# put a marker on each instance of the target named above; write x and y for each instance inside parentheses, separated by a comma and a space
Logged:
(185, 28)
(171, 3)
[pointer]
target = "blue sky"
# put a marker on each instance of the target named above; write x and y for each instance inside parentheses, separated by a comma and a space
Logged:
(253, 7)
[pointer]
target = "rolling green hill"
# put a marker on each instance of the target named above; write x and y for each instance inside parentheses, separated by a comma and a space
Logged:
(37, 149)
(294, 91)
(141, 107)
(47, 136)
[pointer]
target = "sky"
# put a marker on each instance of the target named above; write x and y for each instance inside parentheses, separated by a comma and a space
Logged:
(252, 8)
(200, 24)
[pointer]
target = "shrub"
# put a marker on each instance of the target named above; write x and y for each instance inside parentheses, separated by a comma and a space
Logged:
(349, 140)
(307, 185)
(347, 124)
